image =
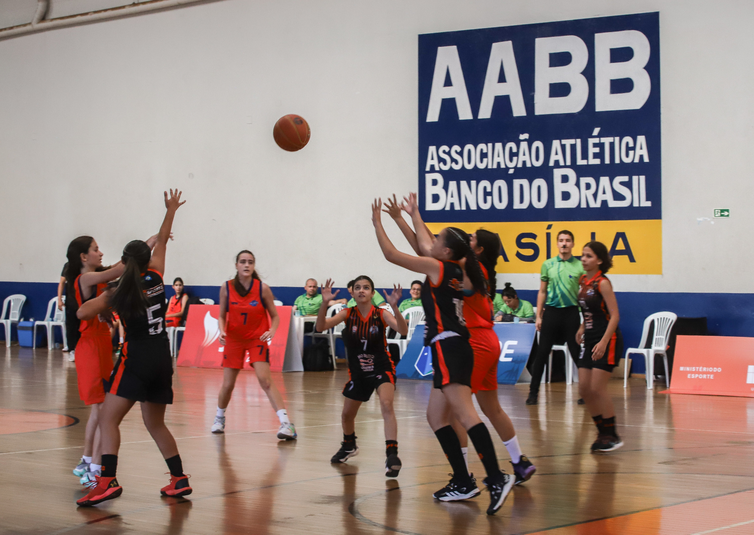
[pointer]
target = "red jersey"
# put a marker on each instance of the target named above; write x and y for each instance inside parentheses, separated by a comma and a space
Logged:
(92, 327)
(246, 317)
(478, 311)
(174, 307)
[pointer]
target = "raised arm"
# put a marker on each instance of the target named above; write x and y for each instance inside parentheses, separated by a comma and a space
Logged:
(429, 266)
(424, 237)
(393, 209)
(172, 203)
(397, 322)
(323, 322)
(94, 278)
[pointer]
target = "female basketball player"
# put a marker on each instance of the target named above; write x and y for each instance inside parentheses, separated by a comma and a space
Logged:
(86, 280)
(603, 343)
(245, 328)
(369, 365)
(176, 304)
(452, 356)
(477, 312)
(144, 372)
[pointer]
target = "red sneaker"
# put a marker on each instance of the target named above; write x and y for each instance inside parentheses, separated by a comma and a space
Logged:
(107, 489)
(179, 486)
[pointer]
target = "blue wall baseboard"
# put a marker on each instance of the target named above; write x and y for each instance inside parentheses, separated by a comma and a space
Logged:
(727, 314)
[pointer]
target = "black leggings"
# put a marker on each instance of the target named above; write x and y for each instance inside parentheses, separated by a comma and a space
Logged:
(559, 325)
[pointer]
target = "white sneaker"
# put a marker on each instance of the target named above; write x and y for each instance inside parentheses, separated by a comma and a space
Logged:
(287, 432)
(89, 479)
(71, 356)
(219, 425)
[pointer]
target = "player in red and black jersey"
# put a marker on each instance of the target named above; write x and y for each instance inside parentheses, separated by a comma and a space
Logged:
(144, 370)
(452, 355)
(369, 365)
(248, 321)
(603, 343)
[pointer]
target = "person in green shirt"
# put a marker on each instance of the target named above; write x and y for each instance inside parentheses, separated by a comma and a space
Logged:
(310, 303)
(509, 303)
(415, 301)
(377, 299)
(558, 317)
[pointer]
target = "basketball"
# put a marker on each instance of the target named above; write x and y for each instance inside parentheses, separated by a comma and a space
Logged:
(291, 132)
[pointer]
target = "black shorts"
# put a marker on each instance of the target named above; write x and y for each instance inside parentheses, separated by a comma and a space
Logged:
(144, 372)
(452, 361)
(609, 359)
(361, 388)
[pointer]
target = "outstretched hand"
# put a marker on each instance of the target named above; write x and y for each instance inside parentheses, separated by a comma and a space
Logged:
(411, 204)
(392, 208)
(327, 293)
(394, 297)
(377, 212)
(174, 201)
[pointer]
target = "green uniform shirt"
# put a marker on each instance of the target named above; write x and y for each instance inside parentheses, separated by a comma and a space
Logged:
(408, 303)
(524, 310)
(308, 306)
(562, 278)
(377, 300)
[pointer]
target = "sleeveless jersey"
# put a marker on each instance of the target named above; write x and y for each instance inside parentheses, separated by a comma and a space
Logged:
(596, 315)
(443, 303)
(174, 307)
(91, 327)
(151, 324)
(246, 318)
(478, 310)
(365, 342)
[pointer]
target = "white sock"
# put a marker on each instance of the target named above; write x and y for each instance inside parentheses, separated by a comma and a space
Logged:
(95, 467)
(465, 452)
(220, 413)
(283, 416)
(514, 450)
(87, 460)
(121, 339)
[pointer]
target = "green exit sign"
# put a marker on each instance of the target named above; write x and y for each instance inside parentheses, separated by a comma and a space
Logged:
(722, 212)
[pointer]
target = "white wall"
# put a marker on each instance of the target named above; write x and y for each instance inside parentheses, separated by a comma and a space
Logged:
(97, 120)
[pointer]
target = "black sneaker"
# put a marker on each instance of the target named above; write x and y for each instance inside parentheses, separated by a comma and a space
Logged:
(392, 466)
(345, 452)
(455, 491)
(532, 399)
(606, 443)
(523, 469)
(498, 492)
(581, 401)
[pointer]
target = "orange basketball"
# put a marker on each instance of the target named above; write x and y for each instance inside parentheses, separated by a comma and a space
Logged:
(291, 132)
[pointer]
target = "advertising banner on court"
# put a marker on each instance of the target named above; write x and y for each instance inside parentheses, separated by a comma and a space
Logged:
(529, 130)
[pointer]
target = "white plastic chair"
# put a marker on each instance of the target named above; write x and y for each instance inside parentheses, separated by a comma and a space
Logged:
(278, 303)
(207, 301)
(569, 364)
(11, 313)
(53, 318)
(414, 316)
(663, 322)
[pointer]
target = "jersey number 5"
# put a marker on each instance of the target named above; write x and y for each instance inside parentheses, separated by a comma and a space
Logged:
(156, 323)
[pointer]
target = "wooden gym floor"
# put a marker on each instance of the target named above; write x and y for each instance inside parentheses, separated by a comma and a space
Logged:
(685, 468)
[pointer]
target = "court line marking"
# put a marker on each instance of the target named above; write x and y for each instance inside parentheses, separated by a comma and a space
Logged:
(724, 527)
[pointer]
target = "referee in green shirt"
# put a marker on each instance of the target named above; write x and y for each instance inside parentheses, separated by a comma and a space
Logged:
(557, 308)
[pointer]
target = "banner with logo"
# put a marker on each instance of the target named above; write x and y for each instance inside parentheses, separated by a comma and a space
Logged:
(529, 130)
(515, 341)
(713, 365)
(201, 347)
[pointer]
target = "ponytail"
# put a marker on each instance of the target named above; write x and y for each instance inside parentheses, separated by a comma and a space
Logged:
(76, 248)
(237, 281)
(129, 299)
(458, 242)
(490, 242)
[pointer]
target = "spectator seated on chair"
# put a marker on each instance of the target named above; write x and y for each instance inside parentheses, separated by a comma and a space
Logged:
(415, 301)
(377, 299)
(177, 305)
(508, 304)
(310, 303)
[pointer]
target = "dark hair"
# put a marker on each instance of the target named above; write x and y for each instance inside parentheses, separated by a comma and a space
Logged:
(459, 243)
(420, 283)
(76, 248)
(129, 299)
(567, 233)
(237, 281)
(351, 283)
(364, 278)
(599, 249)
(178, 279)
(509, 291)
(490, 242)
